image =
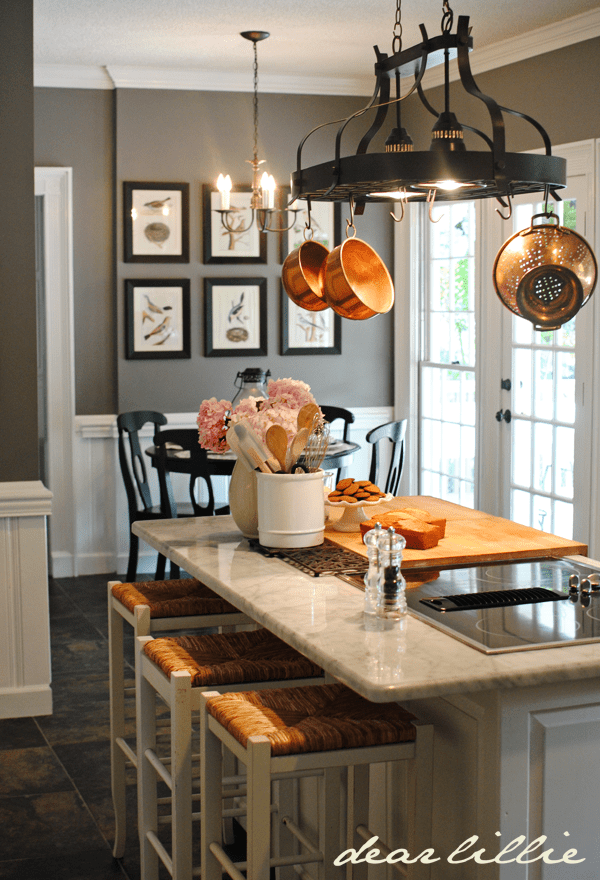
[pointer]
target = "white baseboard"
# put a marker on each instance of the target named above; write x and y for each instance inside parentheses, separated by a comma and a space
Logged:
(100, 518)
(25, 702)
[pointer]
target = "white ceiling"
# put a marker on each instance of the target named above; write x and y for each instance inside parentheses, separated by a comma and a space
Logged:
(316, 46)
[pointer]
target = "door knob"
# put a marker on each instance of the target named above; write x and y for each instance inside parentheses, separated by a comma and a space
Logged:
(506, 384)
(503, 415)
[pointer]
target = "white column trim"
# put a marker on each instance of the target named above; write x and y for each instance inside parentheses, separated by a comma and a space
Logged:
(56, 185)
(29, 498)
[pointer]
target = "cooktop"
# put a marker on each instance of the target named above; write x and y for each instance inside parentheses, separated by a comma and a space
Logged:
(516, 606)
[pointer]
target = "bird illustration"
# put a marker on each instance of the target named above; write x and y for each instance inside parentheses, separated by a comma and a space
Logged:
(165, 337)
(157, 204)
(147, 317)
(234, 311)
(151, 305)
(162, 327)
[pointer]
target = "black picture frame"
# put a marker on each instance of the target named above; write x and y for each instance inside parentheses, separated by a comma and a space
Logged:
(167, 300)
(219, 246)
(325, 321)
(334, 222)
(226, 326)
(164, 239)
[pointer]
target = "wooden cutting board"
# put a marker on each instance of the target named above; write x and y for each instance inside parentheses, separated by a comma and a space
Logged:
(471, 536)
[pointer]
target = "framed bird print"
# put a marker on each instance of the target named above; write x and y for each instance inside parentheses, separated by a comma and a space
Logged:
(304, 332)
(156, 218)
(241, 241)
(157, 318)
(235, 316)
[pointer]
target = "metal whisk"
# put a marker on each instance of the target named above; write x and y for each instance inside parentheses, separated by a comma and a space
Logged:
(316, 446)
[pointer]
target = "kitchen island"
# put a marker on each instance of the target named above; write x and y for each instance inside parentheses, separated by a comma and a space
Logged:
(516, 734)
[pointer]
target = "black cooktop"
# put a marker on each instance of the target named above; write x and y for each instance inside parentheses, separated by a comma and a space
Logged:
(517, 606)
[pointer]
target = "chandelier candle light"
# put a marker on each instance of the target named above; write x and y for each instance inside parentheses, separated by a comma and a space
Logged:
(262, 202)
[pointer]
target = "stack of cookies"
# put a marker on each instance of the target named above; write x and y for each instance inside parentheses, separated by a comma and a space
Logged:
(355, 491)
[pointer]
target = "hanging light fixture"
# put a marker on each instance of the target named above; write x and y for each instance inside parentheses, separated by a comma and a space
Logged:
(262, 202)
(447, 170)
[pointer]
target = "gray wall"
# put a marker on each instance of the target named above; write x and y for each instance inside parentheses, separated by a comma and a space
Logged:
(559, 89)
(191, 137)
(74, 128)
(18, 346)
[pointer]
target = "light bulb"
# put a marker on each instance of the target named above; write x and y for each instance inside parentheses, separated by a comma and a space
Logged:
(224, 187)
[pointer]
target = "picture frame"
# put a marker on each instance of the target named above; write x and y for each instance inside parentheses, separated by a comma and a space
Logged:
(235, 316)
(156, 222)
(152, 303)
(220, 246)
(326, 218)
(304, 332)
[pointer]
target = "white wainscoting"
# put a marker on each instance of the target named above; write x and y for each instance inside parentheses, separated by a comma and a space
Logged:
(99, 514)
(24, 619)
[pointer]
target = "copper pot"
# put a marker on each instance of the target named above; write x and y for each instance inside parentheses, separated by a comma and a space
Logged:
(356, 282)
(545, 274)
(301, 278)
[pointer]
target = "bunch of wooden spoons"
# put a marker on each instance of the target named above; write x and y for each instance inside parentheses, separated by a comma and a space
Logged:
(277, 440)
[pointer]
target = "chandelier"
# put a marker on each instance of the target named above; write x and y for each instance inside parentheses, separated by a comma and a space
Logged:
(262, 201)
(447, 170)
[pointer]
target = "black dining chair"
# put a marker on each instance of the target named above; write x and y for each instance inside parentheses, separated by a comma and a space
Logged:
(137, 488)
(187, 440)
(335, 413)
(395, 432)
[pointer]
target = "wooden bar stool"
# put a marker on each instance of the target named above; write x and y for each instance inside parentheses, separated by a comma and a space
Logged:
(153, 606)
(324, 729)
(179, 669)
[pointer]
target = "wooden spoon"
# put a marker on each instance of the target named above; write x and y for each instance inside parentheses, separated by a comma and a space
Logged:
(306, 415)
(296, 448)
(277, 443)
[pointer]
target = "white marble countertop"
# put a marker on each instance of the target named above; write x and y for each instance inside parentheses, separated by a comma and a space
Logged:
(323, 618)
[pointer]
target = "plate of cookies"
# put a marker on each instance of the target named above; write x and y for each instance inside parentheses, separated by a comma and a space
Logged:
(353, 496)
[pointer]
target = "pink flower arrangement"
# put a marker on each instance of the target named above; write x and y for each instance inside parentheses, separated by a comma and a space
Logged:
(286, 398)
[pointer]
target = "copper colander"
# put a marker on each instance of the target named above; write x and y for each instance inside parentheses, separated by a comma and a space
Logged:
(545, 273)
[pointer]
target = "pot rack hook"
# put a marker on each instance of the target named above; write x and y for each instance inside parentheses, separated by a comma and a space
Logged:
(308, 230)
(504, 205)
(430, 201)
(402, 203)
(350, 223)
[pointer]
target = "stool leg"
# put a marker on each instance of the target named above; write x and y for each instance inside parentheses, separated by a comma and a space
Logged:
(146, 776)
(116, 679)
(181, 775)
(359, 813)
(211, 808)
(329, 823)
(258, 806)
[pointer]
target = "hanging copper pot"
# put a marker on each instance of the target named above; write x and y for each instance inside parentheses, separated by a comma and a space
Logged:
(545, 273)
(356, 282)
(301, 275)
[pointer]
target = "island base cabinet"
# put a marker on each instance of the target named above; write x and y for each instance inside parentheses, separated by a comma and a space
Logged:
(512, 767)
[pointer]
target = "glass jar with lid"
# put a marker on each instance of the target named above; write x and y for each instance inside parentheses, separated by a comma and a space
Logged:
(252, 382)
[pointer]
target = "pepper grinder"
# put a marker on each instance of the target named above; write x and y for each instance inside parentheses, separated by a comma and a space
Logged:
(372, 576)
(391, 595)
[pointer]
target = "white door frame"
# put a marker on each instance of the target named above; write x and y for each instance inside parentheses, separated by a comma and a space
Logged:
(56, 186)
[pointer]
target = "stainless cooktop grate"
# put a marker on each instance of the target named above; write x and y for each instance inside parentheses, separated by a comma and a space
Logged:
(326, 559)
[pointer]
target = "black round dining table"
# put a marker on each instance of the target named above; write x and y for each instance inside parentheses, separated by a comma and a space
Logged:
(221, 464)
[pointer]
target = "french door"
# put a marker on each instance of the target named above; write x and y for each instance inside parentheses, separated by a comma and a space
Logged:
(505, 412)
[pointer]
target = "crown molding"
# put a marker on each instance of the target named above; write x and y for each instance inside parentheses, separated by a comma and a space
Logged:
(577, 29)
(71, 76)
(548, 38)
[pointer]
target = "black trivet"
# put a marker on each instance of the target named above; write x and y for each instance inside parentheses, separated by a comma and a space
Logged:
(326, 559)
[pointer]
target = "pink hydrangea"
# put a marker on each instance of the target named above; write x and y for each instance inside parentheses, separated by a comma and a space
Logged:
(212, 425)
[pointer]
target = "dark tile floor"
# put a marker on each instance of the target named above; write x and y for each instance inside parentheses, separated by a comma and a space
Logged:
(56, 809)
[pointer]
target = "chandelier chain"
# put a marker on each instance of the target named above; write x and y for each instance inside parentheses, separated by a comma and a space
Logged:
(447, 17)
(397, 33)
(255, 103)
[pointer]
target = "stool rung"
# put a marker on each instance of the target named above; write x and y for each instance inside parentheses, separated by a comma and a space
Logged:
(226, 862)
(159, 767)
(293, 828)
(366, 834)
(160, 851)
(127, 750)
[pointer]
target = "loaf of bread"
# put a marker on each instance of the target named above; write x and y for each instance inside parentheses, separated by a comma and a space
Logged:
(417, 532)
